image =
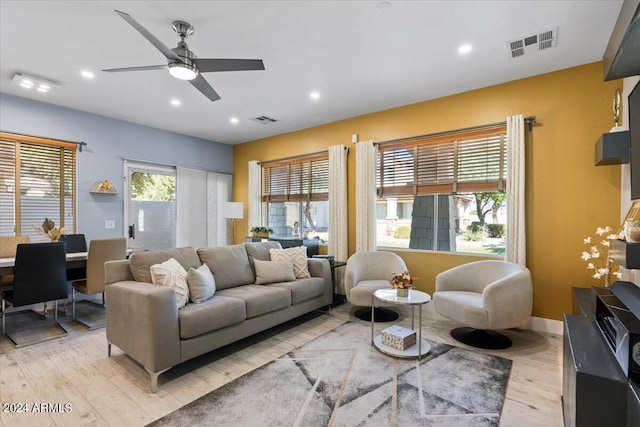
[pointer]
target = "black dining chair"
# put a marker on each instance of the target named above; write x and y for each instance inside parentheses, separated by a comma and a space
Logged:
(39, 275)
(75, 243)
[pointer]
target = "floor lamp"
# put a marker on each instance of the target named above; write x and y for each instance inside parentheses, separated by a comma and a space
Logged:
(233, 211)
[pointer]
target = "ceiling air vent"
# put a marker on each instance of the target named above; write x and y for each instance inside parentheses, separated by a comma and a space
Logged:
(530, 44)
(265, 120)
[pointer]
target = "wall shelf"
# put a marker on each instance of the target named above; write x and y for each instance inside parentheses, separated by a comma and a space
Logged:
(102, 187)
(625, 254)
(613, 148)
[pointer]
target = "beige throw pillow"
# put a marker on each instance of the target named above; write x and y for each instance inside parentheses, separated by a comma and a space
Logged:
(201, 284)
(171, 273)
(298, 255)
(273, 271)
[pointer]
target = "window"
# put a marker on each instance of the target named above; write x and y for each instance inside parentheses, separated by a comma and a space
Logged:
(37, 181)
(444, 192)
(295, 193)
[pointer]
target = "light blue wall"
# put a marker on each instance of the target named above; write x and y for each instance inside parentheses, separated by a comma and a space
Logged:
(108, 142)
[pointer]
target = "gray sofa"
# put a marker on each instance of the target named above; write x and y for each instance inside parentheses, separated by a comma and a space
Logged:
(144, 322)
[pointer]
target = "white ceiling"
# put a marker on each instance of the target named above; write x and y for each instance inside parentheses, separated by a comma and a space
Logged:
(361, 56)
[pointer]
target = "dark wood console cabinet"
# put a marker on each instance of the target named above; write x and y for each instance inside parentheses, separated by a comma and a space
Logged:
(595, 390)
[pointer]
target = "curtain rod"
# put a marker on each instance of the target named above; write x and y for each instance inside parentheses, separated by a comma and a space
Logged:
(528, 120)
(299, 156)
(80, 144)
(152, 163)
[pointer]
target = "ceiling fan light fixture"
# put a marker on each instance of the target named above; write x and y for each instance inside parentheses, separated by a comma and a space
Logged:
(182, 71)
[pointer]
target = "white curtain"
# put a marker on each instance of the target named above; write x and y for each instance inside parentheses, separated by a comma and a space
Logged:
(254, 204)
(191, 207)
(338, 238)
(366, 153)
(218, 192)
(516, 238)
(200, 196)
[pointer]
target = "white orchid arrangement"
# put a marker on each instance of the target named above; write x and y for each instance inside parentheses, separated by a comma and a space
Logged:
(598, 258)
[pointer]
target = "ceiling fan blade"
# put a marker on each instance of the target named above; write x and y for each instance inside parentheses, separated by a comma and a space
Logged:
(147, 35)
(206, 65)
(143, 68)
(203, 86)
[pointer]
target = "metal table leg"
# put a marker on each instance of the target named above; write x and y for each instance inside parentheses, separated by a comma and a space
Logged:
(372, 312)
(413, 315)
(420, 332)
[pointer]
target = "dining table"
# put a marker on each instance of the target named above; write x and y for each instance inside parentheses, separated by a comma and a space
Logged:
(74, 260)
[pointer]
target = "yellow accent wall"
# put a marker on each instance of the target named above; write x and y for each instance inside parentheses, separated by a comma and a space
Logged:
(567, 197)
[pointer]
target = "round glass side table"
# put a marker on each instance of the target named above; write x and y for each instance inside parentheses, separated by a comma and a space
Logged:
(415, 298)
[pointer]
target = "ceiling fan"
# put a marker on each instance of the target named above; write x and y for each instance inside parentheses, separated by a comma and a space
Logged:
(183, 64)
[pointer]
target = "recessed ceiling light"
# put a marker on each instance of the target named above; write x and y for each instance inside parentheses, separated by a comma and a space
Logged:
(175, 102)
(87, 74)
(464, 49)
(43, 88)
(314, 95)
(234, 120)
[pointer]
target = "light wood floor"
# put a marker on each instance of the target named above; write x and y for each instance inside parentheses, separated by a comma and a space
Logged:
(114, 391)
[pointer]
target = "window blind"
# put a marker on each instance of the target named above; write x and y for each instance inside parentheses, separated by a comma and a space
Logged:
(296, 179)
(37, 181)
(469, 161)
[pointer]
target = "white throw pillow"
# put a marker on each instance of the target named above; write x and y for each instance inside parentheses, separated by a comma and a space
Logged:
(298, 255)
(171, 273)
(201, 284)
(273, 271)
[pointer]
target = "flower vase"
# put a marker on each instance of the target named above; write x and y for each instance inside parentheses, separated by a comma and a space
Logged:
(402, 292)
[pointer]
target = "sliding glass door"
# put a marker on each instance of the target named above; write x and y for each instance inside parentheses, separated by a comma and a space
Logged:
(150, 206)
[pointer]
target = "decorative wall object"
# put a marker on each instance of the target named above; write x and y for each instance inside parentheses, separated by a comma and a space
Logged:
(103, 187)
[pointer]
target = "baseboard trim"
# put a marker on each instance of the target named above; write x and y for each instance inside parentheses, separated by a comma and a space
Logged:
(540, 324)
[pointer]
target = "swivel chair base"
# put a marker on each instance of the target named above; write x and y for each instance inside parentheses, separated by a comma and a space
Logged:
(379, 315)
(489, 340)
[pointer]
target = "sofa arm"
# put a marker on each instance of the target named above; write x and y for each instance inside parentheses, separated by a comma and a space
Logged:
(320, 267)
(142, 320)
(117, 271)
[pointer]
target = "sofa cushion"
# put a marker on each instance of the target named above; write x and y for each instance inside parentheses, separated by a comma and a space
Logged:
(303, 289)
(201, 284)
(260, 251)
(259, 299)
(298, 255)
(141, 262)
(214, 313)
(229, 265)
(273, 271)
(170, 273)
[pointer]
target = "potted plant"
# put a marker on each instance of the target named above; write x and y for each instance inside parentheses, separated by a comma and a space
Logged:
(50, 230)
(402, 282)
(261, 231)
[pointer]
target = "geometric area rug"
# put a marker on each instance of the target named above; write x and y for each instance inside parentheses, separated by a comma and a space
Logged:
(340, 379)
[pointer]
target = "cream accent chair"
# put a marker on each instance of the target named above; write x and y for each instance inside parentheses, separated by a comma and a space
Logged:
(100, 251)
(366, 272)
(485, 295)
